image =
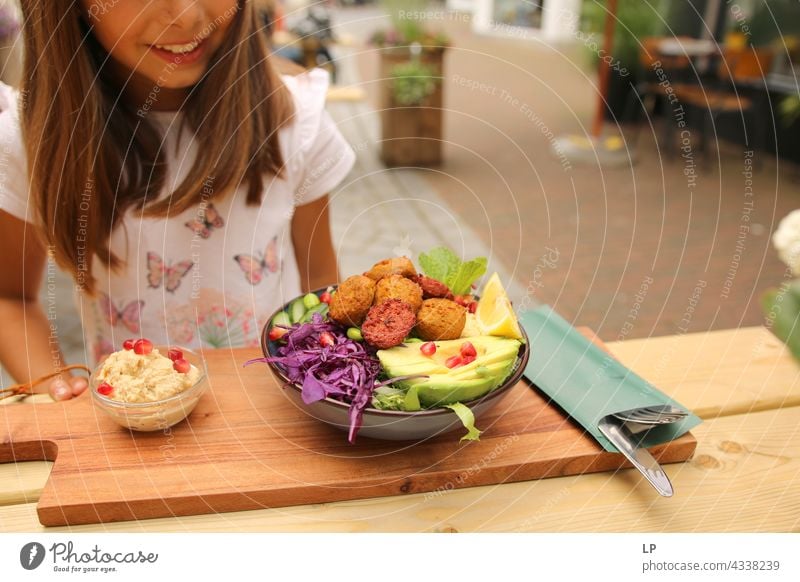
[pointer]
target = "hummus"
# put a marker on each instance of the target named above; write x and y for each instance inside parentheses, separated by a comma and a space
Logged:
(144, 378)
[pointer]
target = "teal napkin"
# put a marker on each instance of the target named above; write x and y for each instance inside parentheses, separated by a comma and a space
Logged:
(587, 382)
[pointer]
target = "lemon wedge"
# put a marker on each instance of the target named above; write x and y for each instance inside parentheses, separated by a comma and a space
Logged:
(494, 314)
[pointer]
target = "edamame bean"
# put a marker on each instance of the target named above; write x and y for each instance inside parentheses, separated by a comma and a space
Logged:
(354, 334)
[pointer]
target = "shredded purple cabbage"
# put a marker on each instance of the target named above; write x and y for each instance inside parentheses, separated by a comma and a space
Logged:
(345, 371)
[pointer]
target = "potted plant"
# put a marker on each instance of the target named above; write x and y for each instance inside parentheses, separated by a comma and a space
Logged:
(411, 69)
(412, 123)
(781, 305)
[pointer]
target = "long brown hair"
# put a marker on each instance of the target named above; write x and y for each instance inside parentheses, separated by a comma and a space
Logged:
(92, 157)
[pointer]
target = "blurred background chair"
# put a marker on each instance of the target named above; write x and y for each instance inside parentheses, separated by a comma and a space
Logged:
(738, 90)
(648, 97)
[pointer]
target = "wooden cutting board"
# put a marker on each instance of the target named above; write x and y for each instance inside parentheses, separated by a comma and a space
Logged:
(246, 446)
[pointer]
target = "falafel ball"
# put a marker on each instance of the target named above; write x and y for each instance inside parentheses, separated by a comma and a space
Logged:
(433, 289)
(388, 323)
(398, 287)
(440, 319)
(352, 300)
(394, 266)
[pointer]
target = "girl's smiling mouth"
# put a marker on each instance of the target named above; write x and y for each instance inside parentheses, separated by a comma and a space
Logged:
(182, 52)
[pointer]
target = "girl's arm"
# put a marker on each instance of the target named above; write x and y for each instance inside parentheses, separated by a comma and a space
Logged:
(313, 245)
(28, 341)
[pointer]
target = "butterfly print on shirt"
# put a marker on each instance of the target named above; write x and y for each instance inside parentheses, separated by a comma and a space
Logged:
(255, 268)
(129, 315)
(206, 222)
(102, 348)
(170, 275)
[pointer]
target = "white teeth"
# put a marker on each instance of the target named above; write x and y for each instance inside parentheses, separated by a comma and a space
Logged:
(179, 48)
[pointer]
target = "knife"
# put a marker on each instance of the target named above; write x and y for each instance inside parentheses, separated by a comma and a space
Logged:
(641, 458)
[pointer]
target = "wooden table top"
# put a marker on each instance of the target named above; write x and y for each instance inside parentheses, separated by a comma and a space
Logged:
(745, 475)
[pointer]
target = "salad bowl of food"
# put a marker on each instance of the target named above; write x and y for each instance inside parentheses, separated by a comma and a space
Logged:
(395, 354)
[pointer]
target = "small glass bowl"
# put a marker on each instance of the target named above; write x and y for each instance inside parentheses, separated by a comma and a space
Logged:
(158, 415)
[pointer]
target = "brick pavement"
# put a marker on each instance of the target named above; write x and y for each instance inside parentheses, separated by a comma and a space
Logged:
(633, 243)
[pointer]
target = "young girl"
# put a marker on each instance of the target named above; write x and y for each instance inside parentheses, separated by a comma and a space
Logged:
(154, 153)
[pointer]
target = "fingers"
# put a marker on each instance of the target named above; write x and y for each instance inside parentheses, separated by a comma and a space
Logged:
(78, 385)
(61, 389)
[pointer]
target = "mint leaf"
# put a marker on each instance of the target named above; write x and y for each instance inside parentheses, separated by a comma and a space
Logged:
(444, 265)
(466, 275)
(439, 263)
(467, 419)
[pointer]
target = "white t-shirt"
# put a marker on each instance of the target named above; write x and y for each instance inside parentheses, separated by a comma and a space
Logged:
(211, 276)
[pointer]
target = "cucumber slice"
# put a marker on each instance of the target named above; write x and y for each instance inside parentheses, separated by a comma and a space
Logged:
(297, 310)
(310, 300)
(281, 318)
(322, 309)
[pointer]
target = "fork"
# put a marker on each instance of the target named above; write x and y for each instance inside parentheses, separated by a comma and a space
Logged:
(658, 414)
(620, 436)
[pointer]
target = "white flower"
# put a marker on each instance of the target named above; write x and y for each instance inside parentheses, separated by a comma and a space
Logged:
(787, 241)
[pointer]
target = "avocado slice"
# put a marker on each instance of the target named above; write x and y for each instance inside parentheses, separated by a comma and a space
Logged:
(492, 365)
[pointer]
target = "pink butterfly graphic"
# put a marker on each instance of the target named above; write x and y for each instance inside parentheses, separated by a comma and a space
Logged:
(171, 275)
(129, 315)
(254, 268)
(205, 222)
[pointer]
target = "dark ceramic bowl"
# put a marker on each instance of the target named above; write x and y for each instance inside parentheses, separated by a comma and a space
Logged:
(393, 425)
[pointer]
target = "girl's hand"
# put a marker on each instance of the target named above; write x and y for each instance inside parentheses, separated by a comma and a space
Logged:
(66, 388)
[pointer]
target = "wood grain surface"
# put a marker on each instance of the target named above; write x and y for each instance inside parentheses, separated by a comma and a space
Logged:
(246, 446)
(717, 373)
(742, 478)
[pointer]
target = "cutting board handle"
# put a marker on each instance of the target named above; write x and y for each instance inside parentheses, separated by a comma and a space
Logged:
(37, 431)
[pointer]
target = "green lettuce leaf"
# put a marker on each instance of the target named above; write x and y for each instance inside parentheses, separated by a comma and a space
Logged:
(467, 419)
(388, 398)
(444, 265)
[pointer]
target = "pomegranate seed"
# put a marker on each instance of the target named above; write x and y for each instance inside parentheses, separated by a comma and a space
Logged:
(105, 389)
(453, 361)
(182, 366)
(128, 344)
(174, 354)
(277, 333)
(428, 348)
(473, 307)
(467, 360)
(325, 297)
(468, 350)
(143, 346)
(326, 339)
